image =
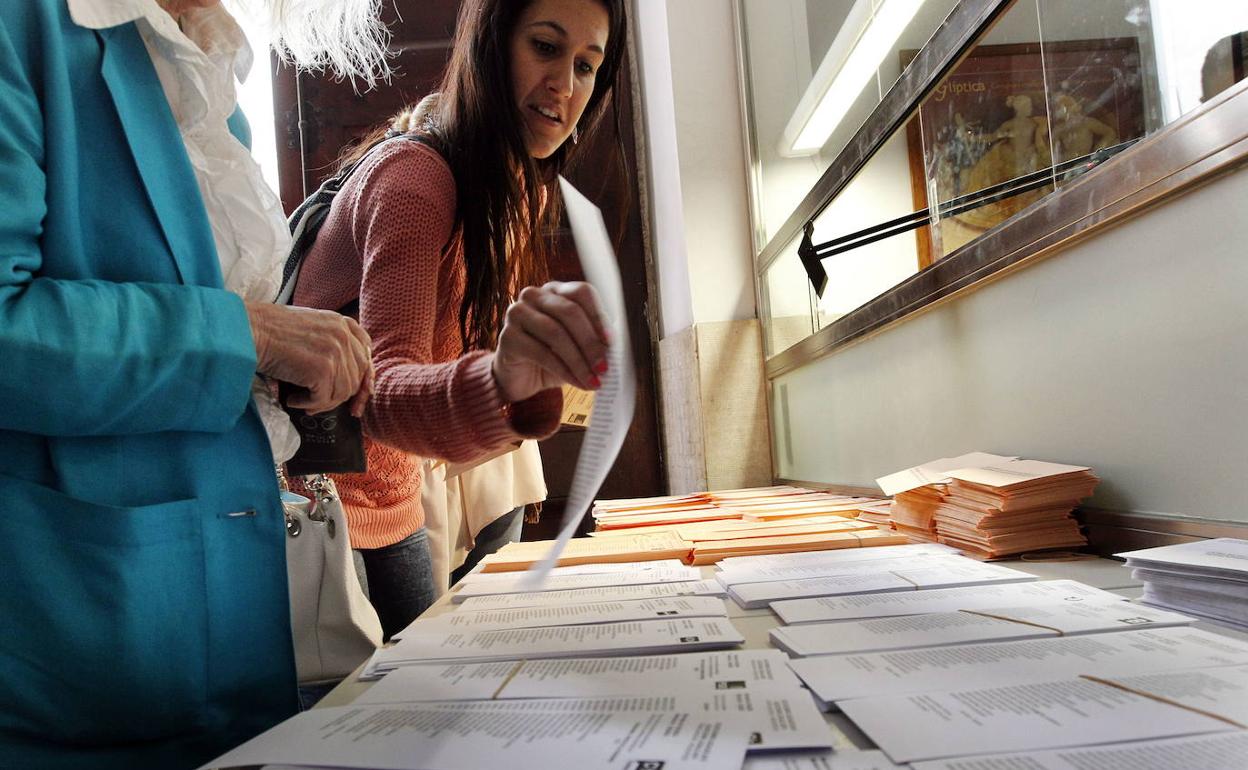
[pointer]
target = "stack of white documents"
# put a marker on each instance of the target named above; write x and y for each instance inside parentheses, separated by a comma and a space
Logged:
(1208, 578)
(755, 682)
(754, 585)
(835, 679)
(1216, 751)
(860, 607)
(607, 733)
(1052, 714)
(998, 624)
(755, 703)
(591, 640)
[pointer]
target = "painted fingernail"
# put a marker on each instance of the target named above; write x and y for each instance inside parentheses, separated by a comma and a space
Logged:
(594, 382)
(601, 367)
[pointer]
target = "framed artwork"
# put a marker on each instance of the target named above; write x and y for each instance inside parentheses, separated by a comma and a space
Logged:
(1009, 110)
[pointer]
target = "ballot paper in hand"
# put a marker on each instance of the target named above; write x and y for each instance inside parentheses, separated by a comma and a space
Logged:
(1022, 717)
(697, 672)
(613, 402)
(585, 733)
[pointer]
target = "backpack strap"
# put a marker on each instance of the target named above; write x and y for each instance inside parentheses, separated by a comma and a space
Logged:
(305, 223)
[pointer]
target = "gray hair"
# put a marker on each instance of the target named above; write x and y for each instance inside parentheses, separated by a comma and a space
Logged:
(345, 38)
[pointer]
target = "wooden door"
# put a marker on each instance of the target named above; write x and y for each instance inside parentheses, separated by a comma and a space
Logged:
(317, 117)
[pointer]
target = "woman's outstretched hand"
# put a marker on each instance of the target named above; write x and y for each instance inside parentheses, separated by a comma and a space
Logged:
(326, 354)
(553, 334)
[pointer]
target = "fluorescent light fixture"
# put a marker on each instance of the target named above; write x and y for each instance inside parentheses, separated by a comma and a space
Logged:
(855, 55)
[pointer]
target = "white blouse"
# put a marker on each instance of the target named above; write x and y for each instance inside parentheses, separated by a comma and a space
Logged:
(197, 62)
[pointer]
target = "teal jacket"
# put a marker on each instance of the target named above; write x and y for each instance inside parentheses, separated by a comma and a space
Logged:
(144, 615)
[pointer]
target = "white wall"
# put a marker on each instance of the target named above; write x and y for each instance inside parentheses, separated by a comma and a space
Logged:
(692, 109)
(1127, 352)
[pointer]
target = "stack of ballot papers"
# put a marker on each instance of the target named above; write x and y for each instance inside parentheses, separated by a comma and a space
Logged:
(917, 491)
(628, 548)
(877, 513)
(580, 576)
(1013, 507)
(622, 514)
(712, 551)
(806, 506)
(442, 645)
(835, 679)
(527, 714)
(827, 609)
(996, 624)
(1208, 578)
(913, 512)
(1215, 751)
(1052, 714)
(754, 585)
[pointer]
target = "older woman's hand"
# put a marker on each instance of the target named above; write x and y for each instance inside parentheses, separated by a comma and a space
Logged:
(327, 354)
(552, 335)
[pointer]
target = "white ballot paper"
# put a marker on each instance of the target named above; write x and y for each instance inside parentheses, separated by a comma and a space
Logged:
(839, 608)
(821, 760)
(864, 567)
(570, 615)
(1020, 717)
(945, 574)
(779, 716)
(835, 678)
(1219, 751)
(998, 624)
(599, 594)
(613, 402)
(609, 733)
(703, 672)
(1220, 692)
(843, 556)
(645, 636)
(935, 472)
(515, 582)
(1222, 557)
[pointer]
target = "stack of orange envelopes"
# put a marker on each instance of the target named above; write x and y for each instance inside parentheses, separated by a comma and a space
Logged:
(613, 550)
(649, 511)
(1013, 507)
(913, 512)
(918, 491)
(711, 551)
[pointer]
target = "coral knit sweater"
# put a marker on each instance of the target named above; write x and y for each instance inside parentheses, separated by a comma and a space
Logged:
(390, 239)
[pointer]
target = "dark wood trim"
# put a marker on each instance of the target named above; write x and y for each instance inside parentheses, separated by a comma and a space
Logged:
(953, 39)
(1193, 150)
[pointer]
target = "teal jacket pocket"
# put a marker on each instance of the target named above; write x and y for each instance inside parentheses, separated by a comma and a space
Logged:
(105, 608)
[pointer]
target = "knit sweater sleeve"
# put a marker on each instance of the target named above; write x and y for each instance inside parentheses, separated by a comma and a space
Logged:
(403, 218)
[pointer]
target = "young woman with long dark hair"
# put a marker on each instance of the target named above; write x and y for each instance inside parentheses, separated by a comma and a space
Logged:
(445, 242)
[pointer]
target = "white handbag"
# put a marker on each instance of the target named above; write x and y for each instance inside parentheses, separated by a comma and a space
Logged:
(335, 628)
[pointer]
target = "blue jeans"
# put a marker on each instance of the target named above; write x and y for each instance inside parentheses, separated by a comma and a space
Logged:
(398, 580)
(498, 533)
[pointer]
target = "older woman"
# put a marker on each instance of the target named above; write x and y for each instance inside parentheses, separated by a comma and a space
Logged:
(144, 617)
